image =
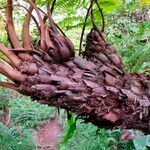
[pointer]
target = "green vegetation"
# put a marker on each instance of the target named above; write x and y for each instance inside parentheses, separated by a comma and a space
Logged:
(131, 36)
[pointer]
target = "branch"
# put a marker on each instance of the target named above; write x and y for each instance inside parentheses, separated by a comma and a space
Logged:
(18, 5)
(3, 73)
(10, 25)
(15, 87)
(10, 55)
(25, 30)
(9, 85)
(11, 73)
(34, 19)
(62, 43)
(42, 25)
(45, 15)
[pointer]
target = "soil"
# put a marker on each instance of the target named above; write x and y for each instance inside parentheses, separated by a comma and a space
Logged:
(48, 136)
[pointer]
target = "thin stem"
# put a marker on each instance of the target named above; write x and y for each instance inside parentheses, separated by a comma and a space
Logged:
(51, 22)
(92, 17)
(83, 28)
(102, 15)
(34, 19)
(95, 26)
(45, 15)
(53, 4)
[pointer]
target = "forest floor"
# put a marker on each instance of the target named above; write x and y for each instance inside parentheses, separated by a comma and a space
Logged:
(48, 135)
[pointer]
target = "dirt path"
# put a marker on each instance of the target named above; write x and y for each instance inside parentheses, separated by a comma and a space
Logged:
(48, 136)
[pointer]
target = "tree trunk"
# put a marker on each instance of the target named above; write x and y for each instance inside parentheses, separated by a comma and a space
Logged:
(95, 87)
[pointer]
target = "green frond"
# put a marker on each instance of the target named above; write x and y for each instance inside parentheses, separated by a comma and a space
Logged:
(110, 5)
(31, 114)
(10, 139)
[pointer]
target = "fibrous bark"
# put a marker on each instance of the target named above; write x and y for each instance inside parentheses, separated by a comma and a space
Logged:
(95, 87)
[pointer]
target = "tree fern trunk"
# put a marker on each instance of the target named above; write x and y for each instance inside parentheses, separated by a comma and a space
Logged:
(99, 90)
(95, 87)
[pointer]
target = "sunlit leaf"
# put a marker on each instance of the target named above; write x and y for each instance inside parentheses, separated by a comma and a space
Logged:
(110, 5)
(145, 2)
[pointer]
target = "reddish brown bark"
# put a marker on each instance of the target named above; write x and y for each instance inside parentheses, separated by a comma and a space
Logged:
(26, 30)
(13, 58)
(10, 26)
(95, 87)
(42, 26)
